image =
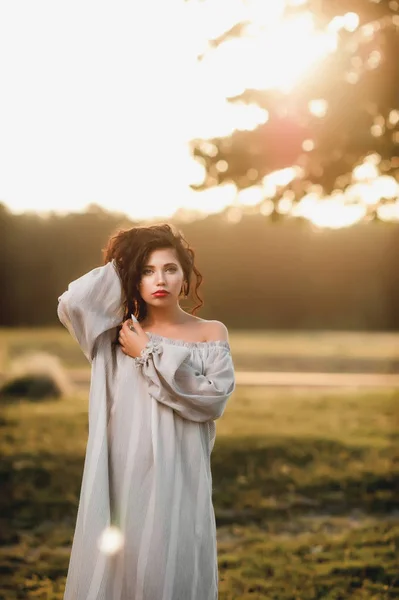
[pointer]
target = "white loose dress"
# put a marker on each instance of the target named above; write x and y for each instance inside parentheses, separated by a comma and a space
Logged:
(147, 464)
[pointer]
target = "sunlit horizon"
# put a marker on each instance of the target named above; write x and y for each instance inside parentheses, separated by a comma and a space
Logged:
(99, 106)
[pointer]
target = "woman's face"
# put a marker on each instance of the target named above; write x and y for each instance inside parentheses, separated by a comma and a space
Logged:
(161, 271)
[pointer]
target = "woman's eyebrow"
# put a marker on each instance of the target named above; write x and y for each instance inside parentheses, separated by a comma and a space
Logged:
(165, 265)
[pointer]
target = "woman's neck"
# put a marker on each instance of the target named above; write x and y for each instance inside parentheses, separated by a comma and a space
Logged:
(164, 317)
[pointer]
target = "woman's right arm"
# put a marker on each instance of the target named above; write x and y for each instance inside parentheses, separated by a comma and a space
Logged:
(92, 305)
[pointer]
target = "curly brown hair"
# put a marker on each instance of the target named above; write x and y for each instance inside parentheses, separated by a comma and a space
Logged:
(131, 248)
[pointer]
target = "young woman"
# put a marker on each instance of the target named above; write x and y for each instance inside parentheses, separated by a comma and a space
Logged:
(145, 526)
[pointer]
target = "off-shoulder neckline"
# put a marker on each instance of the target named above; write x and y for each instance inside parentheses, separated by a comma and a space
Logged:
(177, 342)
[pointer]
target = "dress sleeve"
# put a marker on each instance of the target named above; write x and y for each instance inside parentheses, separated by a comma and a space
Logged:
(91, 305)
(174, 382)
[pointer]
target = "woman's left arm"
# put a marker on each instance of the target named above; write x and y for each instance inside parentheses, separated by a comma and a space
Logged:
(175, 383)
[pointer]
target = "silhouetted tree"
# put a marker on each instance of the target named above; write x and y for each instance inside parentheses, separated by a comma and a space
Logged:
(359, 82)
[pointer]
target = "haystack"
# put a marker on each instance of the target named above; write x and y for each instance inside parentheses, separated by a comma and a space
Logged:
(35, 376)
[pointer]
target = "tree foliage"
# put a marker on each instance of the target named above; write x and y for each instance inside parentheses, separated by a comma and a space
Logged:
(360, 84)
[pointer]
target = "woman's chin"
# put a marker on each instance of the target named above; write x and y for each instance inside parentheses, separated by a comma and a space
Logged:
(165, 300)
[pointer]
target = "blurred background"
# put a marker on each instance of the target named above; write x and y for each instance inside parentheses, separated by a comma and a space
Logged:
(268, 133)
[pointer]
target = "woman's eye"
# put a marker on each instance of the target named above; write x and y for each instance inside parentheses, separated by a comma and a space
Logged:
(149, 271)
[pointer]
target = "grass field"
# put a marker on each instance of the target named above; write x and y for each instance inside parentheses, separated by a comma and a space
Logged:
(252, 350)
(305, 495)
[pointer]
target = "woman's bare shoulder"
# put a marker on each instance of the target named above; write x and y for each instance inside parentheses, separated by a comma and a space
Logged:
(215, 330)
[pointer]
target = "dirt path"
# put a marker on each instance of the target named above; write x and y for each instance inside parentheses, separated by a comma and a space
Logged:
(358, 380)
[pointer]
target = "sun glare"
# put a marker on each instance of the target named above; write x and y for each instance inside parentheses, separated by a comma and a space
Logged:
(276, 52)
(119, 166)
(263, 58)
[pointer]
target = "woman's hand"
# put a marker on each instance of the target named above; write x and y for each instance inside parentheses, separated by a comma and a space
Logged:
(132, 341)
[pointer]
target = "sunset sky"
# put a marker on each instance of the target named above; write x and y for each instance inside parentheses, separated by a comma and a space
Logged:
(99, 100)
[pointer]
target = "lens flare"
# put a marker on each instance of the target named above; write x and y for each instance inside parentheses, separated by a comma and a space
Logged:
(111, 540)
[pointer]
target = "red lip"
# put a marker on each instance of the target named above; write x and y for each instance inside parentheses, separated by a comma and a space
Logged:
(160, 293)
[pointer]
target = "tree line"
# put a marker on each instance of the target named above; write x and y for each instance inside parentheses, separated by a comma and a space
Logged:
(257, 273)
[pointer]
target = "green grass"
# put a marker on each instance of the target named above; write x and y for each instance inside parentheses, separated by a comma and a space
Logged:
(305, 495)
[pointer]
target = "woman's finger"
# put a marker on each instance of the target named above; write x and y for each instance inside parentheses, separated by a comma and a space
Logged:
(137, 325)
(129, 328)
(139, 331)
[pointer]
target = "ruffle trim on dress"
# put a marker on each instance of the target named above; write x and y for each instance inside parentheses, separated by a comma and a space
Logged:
(176, 342)
(152, 347)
